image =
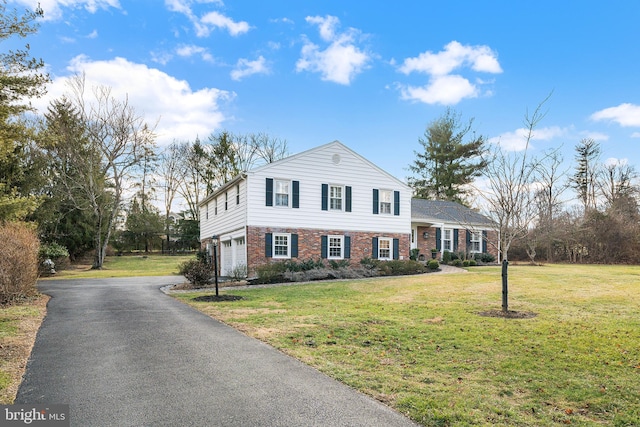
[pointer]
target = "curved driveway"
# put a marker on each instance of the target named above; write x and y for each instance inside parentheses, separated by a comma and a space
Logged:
(122, 353)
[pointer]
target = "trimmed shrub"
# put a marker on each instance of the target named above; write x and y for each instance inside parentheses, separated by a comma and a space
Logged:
(400, 267)
(446, 257)
(196, 272)
(457, 262)
(343, 263)
(18, 262)
(473, 263)
(270, 273)
(484, 257)
(466, 263)
(433, 265)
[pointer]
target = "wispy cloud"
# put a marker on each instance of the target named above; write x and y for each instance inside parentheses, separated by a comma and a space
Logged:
(245, 68)
(187, 51)
(627, 115)
(53, 9)
(181, 112)
(210, 20)
(444, 86)
(339, 62)
(517, 140)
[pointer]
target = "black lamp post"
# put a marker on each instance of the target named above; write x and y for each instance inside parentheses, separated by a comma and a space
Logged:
(215, 260)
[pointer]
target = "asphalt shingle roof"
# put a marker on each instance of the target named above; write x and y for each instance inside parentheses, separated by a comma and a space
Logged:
(444, 211)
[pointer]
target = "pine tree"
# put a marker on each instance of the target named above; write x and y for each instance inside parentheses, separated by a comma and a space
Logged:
(448, 163)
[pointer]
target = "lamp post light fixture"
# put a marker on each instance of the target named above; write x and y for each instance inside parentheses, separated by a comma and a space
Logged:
(214, 243)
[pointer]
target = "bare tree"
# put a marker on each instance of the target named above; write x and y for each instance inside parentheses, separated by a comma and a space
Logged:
(172, 175)
(191, 183)
(509, 199)
(268, 149)
(551, 185)
(616, 180)
(121, 138)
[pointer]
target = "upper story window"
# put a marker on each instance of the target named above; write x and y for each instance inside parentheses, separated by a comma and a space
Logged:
(215, 206)
(475, 241)
(282, 192)
(238, 194)
(336, 194)
(226, 201)
(386, 200)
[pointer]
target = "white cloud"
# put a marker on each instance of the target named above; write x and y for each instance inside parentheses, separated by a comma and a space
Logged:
(341, 60)
(454, 56)
(635, 135)
(624, 114)
(187, 51)
(612, 161)
(181, 113)
(245, 68)
(445, 90)
(517, 140)
(596, 136)
(210, 20)
(444, 87)
(53, 8)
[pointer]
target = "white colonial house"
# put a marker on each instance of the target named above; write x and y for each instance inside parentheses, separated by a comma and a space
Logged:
(328, 202)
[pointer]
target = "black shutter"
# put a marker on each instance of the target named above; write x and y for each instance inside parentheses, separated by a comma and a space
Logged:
(396, 203)
(268, 245)
(455, 239)
(396, 248)
(347, 246)
(438, 239)
(325, 197)
(294, 246)
(484, 241)
(296, 195)
(375, 201)
(347, 203)
(269, 192)
(374, 248)
(323, 247)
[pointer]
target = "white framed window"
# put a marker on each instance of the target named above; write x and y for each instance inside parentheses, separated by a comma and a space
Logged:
(385, 201)
(447, 239)
(281, 193)
(475, 240)
(215, 206)
(335, 247)
(281, 245)
(385, 248)
(336, 196)
(238, 194)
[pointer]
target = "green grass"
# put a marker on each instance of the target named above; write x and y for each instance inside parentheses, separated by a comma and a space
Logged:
(18, 327)
(126, 266)
(418, 343)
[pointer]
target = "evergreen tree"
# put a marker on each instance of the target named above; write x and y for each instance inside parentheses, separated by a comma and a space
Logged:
(448, 163)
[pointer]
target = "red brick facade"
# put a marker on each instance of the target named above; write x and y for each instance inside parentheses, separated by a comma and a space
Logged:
(425, 245)
(309, 244)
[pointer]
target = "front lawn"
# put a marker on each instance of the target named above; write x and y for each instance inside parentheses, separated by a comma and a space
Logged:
(419, 344)
(126, 266)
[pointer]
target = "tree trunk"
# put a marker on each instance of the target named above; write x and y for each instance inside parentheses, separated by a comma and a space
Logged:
(505, 286)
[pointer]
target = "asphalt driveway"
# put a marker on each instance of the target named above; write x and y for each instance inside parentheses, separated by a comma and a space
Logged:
(122, 353)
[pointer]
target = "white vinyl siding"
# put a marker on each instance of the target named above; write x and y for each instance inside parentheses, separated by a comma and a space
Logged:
(315, 169)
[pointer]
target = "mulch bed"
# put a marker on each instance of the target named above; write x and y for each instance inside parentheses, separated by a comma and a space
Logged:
(508, 314)
(217, 298)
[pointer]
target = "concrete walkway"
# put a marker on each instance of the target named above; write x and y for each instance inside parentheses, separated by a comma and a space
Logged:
(121, 353)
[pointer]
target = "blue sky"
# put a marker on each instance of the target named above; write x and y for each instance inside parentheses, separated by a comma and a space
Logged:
(370, 74)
